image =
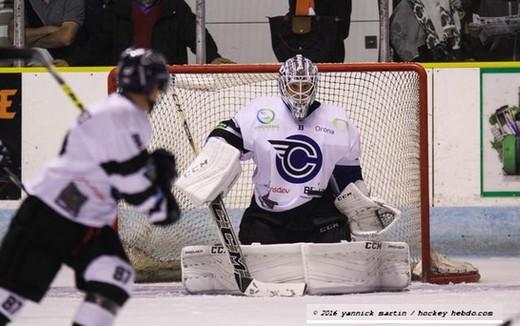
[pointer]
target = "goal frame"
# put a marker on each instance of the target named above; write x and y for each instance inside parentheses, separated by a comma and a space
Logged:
(427, 275)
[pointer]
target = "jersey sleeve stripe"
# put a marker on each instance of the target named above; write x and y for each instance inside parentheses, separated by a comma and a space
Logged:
(139, 198)
(230, 138)
(127, 167)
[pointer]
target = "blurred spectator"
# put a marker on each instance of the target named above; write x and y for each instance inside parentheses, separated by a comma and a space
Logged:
(53, 25)
(427, 30)
(494, 48)
(317, 29)
(167, 26)
(6, 14)
(94, 11)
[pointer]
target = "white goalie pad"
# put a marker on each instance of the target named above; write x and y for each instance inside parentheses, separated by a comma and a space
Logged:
(353, 267)
(366, 216)
(207, 269)
(326, 268)
(213, 172)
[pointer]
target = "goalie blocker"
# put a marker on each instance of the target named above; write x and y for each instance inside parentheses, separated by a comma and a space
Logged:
(336, 268)
(212, 173)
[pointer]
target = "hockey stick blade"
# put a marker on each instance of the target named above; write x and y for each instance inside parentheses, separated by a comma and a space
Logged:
(261, 289)
(246, 283)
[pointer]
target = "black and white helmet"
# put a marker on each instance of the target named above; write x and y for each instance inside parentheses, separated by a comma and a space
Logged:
(139, 70)
(298, 82)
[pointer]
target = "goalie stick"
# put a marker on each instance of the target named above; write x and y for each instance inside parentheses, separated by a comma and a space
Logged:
(245, 281)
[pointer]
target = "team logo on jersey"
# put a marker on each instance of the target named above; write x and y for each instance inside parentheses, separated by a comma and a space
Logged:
(298, 158)
(265, 116)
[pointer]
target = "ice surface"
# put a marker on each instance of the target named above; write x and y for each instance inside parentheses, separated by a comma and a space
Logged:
(168, 304)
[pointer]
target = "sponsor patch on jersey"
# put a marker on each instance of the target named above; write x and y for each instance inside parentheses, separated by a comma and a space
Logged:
(266, 118)
(341, 125)
(324, 130)
(279, 190)
(298, 158)
(313, 191)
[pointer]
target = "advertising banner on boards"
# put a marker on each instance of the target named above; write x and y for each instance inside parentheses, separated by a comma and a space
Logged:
(10, 131)
(500, 132)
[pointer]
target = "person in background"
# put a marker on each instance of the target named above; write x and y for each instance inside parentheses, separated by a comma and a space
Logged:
(341, 10)
(427, 30)
(6, 14)
(316, 29)
(94, 12)
(167, 26)
(53, 25)
(494, 48)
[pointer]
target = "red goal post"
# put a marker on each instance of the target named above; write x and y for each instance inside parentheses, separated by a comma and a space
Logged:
(388, 103)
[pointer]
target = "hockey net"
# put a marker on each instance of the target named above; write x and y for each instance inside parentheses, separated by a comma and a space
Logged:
(386, 101)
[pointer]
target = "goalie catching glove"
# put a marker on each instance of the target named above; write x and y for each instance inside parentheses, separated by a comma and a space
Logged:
(212, 173)
(164, 171)
(366, 216)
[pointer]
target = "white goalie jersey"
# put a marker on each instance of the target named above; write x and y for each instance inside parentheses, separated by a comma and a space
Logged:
(103, 158)
(294, 160)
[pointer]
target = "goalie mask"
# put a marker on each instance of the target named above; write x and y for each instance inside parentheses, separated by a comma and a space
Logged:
(298, 81)
(139, 70)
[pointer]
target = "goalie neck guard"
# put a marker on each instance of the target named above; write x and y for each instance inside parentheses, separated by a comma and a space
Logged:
(298, 81)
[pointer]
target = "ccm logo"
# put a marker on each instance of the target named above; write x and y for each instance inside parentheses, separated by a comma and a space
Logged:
(344, 196)
(217, 250)
(373, 245)
(201, 166)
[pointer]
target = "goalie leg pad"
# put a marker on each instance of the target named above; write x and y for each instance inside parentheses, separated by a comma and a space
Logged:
(337, 268)
(351, 267)
(207, 269)
(212, 173)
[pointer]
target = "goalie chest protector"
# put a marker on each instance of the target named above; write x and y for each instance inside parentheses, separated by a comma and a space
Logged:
(295, 159)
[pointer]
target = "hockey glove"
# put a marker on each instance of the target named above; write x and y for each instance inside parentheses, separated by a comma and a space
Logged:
(165, 169)
(366, 215)
(165, 174)
(165, 211)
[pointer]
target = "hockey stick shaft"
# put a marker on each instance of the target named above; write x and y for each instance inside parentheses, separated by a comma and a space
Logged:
(245, 282)
(14, 178)
(38, 55)
(226, 233)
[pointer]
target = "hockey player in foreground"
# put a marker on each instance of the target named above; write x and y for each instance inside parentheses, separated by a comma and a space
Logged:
(309, 196)
(71, 204)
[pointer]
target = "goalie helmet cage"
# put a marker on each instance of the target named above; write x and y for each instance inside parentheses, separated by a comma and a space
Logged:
(387, 102)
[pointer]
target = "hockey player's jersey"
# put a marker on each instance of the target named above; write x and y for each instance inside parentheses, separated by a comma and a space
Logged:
(294, 160)
(103, 158)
